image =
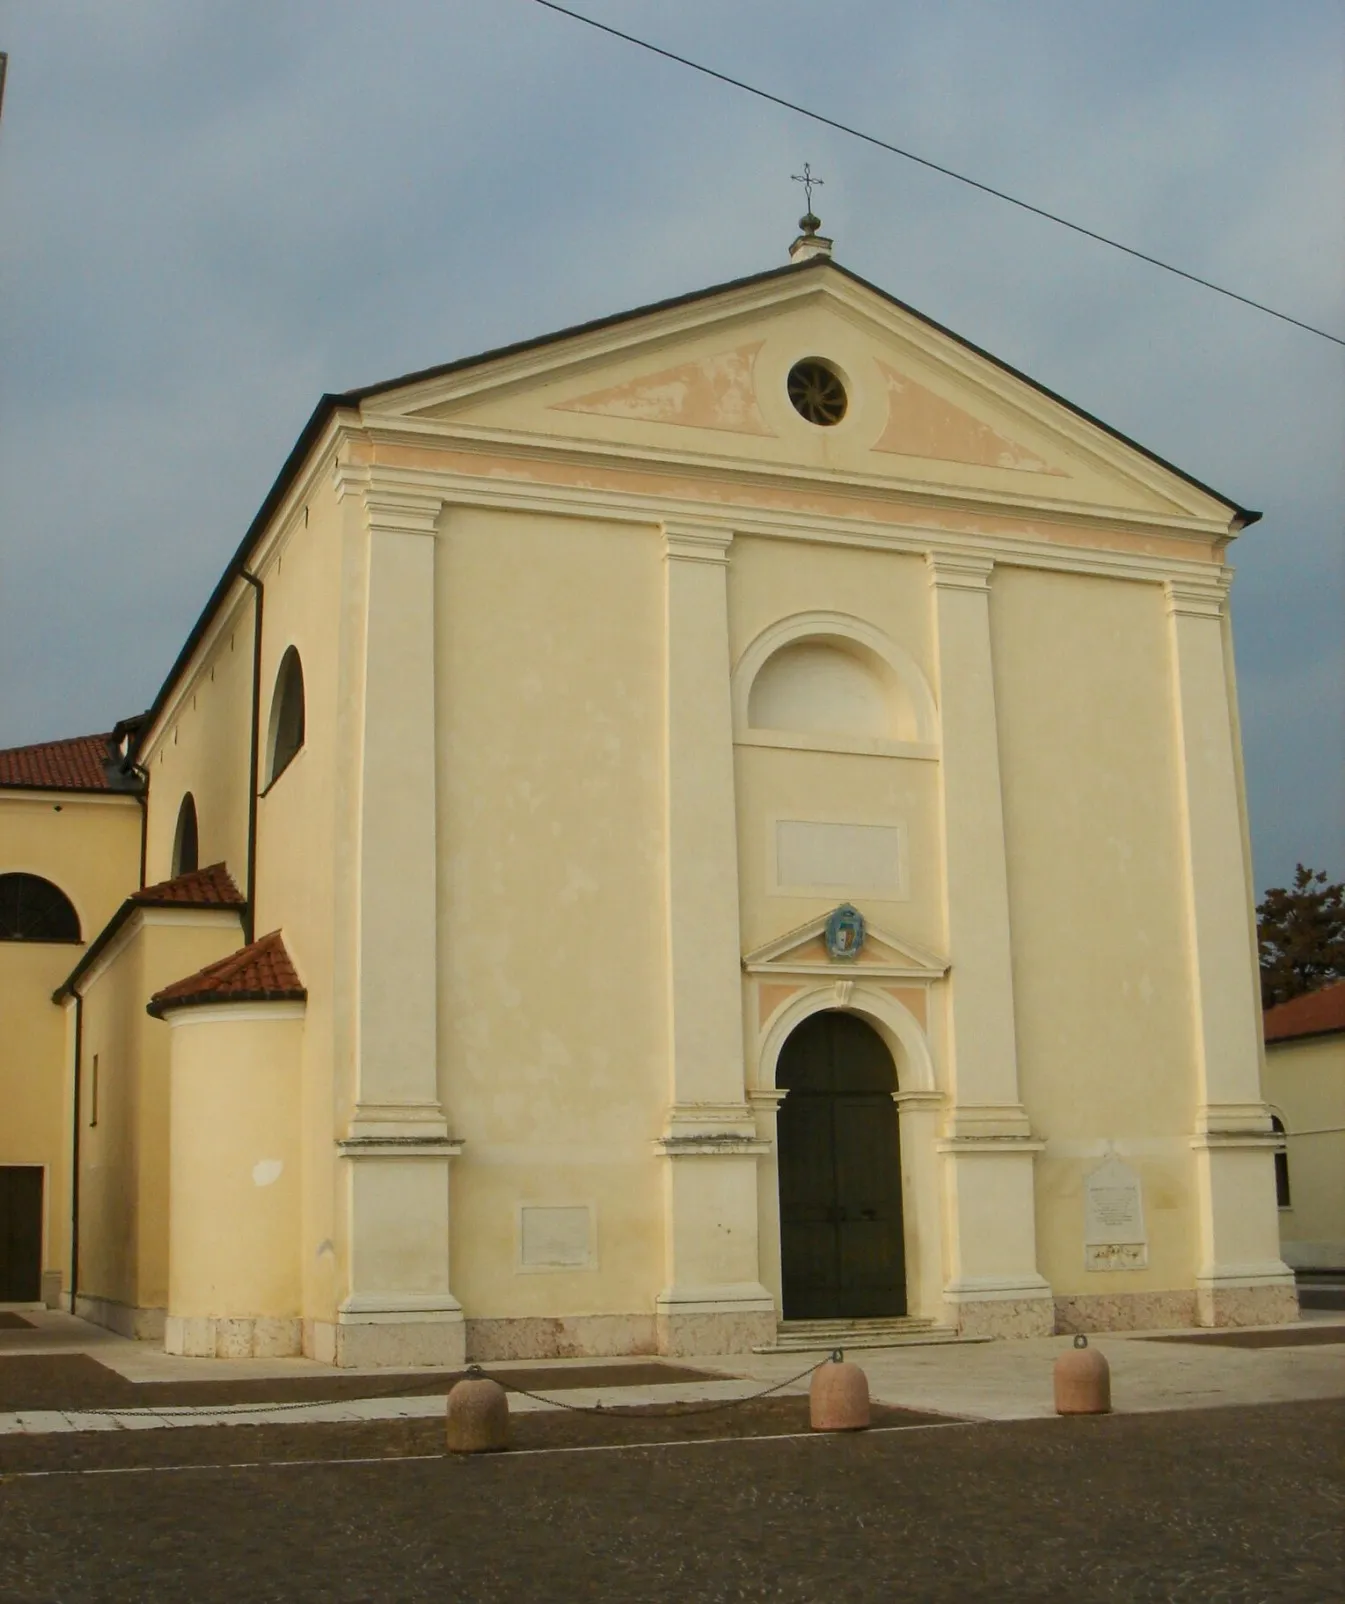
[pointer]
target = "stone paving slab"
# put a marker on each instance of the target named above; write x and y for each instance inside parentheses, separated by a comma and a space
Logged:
(1012, 1380)
(988, 1381)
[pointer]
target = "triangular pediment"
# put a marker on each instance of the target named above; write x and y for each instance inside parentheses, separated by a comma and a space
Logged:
(803, 951)
(704, 382)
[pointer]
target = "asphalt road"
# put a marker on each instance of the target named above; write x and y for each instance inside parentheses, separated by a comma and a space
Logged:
(1228, 1504)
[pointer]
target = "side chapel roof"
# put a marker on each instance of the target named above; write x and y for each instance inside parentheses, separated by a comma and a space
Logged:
(1320, 1013)
(261, 972)
(211, 887)
(350, 401)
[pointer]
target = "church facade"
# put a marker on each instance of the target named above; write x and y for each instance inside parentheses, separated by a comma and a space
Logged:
(728, 814)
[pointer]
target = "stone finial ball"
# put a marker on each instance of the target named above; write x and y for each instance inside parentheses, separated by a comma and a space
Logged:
(1082, 1381)
(478, 1417)
(838, 1398)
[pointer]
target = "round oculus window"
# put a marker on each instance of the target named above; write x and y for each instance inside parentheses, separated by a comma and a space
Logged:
(816, 392)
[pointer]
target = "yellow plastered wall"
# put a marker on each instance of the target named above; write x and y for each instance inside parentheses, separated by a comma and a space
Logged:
(204, 748)
(1305, 1085)
(90, 849)
(235, 1162)
(1101, 978)
(551, 947)
(298, 857)
(124, 1113)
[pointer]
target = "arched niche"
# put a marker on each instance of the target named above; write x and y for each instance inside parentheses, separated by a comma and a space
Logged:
(285, 732)
(34, 909)
(829, 680)
(186, 841)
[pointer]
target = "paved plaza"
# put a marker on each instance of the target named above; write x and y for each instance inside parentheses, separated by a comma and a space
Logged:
(1221, 1476)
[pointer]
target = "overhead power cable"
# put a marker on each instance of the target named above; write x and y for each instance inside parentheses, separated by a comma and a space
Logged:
(924, 161)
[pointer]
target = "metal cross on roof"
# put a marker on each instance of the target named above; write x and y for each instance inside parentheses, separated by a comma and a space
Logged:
(808, 181)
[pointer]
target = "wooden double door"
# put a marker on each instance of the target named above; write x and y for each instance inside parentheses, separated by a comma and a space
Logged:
(20, 1233)
(841, 1242)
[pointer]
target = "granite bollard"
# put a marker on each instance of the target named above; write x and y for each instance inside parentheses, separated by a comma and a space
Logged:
(838, 1398)
(1082, 1381)
(478, 1417)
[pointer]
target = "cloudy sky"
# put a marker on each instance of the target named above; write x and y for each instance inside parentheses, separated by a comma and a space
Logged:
(210, 213)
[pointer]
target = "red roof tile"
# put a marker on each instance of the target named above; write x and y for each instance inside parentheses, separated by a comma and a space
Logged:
(262, 972)
(1318, 1014)
(73, 765)
(208, 887)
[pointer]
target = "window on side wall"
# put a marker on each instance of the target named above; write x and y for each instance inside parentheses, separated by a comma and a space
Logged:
(33, 909)
(286, 731)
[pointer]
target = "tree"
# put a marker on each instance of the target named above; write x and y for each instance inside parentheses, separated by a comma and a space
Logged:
(1300, 931)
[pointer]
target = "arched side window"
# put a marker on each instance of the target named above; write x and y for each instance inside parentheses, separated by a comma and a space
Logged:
(1281, 1163)
(186, 851)
(286, 733)
(32, 909)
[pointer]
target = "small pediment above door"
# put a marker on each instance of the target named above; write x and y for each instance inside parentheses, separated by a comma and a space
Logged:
(807, 951)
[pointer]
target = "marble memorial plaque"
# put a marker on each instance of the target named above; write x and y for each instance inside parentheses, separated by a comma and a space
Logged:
(1114, 1235)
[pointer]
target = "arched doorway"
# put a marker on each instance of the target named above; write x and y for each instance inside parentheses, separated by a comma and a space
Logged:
(841, 1245)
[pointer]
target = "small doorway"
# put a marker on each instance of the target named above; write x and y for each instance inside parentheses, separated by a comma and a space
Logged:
(20, 1233)
(842, 1248)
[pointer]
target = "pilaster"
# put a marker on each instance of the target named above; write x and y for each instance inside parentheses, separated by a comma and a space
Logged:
(920, 1114)
(988, 1150)
(713, 1300)
(1241, 1278)
(399, 1308)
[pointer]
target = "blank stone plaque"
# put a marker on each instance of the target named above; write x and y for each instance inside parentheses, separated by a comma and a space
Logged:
(556, 1238)
(840, 857)
(1114, 1235)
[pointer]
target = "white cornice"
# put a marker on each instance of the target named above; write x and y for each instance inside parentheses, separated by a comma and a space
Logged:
(187, 915)
(627, 507)
(238, 1013)
(457, 435)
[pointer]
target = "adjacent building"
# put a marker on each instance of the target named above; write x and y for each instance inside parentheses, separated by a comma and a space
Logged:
(1305, 1088)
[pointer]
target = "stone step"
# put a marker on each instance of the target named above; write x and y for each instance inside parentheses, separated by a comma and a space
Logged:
(813, 1336)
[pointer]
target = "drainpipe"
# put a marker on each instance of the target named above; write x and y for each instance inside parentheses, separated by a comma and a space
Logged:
(74, 1153)
(143, 799)
(249, 914)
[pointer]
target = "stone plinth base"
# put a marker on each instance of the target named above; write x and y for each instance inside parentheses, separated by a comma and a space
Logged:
(1269, 1304)
(1124, 1311)
(51, 1289)
(588, 1336)
(1003, 1317)
(389, 1344)
(220, 1337)
(682, 1335)
(144, 1325)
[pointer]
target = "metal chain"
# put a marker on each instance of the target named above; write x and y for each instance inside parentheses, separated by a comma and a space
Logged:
(473, 1372)
(476, 1373)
